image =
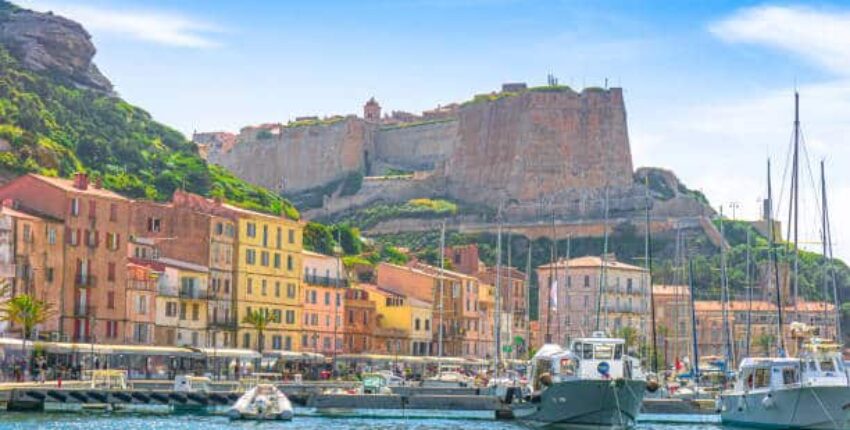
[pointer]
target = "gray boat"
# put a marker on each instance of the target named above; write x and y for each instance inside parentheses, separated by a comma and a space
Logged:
(809, 392)
(592, 385)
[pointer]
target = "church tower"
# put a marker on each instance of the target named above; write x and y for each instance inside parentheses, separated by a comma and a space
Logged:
(372, 111)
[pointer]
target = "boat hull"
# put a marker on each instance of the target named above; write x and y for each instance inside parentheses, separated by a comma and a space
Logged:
(817, 408)
(591, 404)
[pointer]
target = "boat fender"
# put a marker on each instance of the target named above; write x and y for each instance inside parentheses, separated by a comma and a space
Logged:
(767, 401)
(741, 404)
(652, 385)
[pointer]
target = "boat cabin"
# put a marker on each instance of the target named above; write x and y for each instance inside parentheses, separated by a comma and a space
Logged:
(597, 357)
(766, 374)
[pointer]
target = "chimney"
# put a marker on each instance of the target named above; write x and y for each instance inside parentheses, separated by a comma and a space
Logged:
(9, 203)
(98, 183)
(81, 180)
(217, 200)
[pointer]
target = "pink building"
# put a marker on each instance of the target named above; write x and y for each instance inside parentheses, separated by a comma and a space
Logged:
(324, 304)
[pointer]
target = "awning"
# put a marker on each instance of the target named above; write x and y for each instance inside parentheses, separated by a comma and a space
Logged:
(242, 354)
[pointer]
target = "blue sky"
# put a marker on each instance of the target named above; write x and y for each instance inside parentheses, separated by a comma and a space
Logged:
(709, 85)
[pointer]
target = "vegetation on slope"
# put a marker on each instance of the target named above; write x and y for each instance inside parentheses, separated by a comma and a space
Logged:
(57, 129)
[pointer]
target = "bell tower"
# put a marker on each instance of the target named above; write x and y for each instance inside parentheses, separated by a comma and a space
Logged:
(372, 110)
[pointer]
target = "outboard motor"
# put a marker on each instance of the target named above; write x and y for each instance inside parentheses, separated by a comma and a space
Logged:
(652, 384)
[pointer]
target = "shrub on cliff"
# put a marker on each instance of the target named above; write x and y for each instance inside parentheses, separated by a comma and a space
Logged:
(56, 129)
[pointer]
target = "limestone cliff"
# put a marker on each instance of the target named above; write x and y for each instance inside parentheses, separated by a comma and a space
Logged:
(44, 42)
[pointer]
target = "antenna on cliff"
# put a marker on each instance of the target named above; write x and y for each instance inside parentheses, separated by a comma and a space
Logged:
(551, 80)
(606, 83)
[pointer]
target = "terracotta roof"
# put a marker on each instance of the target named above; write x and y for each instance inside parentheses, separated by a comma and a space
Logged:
(592, 261)
(18, 214)
(155, 265)
(394, 292)
(759, 305)
(308, 253)
(68, 185)
(671, 290)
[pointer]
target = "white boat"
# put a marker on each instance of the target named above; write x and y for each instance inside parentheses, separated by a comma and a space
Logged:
(263, 402)
(811, 391)
(592, 385)
(448, 377)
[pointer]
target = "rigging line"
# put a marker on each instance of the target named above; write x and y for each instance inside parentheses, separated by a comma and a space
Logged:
(785, 172)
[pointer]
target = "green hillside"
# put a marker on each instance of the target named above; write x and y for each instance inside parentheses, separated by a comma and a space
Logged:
(56, 128)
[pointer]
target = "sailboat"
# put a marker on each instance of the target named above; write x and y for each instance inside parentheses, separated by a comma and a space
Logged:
(810, 391)
(591, 384)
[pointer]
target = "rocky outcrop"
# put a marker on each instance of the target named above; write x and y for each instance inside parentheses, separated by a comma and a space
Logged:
(44, 42)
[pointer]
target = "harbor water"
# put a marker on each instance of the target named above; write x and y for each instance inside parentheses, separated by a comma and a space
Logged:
(147, 421)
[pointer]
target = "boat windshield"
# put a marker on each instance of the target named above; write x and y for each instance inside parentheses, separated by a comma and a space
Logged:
(603, 352)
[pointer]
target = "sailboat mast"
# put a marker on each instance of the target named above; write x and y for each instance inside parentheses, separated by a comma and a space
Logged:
(794, 206)
(600, 325)
(528, 296)
(552, 270)
(442, 275)
(827, 254)
(749, 287)
(497, 328)
(724, 294)
(647, 258)
(693, 322)
(774, 263)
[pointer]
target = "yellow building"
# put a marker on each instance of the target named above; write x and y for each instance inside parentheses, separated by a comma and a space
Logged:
(181, 304)
(404, 321)
(268, 272)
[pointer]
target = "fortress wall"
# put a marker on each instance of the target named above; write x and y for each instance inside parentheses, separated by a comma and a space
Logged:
(417, 147)
(301, 157)
(540, 144)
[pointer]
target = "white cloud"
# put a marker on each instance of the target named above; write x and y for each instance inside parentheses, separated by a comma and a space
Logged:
(819, 36)
(164, 28)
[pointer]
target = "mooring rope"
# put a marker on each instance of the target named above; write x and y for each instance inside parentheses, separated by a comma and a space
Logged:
(822, 406)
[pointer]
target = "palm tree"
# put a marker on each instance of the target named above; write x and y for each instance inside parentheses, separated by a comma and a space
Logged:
(27, 312)
(259, 320)
(629, 335)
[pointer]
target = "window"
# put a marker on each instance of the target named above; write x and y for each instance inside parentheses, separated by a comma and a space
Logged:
(92, 238)
(227, 286)
(142, 305)
(110, 273)
(277, 260)
(263, 287)
(265, 236)
(277, 341)
(27, 233)
(287, 343)
(246, 340)
(196, 311)
(219, 228)
(277, 289)
(586, 281)
(194, 338)
(251, 229)
(290, 264)
(182, 311)
(48, 274)
(290, 291)
(75, 206)
(290, 317)
(264, 258)
(110, 300)
(250, 286)
(278, 241)
(171, 309)
(326, 343)
(154, 225)
(112, 241)
(313, 297)
(327, 298)
(427, 324)
(72, 236)
(416, 325)
(303, 340)
(250, 256)
(113, 212)
(277, 316)
(92, 209)
(51, 235)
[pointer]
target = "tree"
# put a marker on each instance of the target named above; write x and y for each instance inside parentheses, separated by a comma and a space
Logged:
(260, 321)
(27, 312)
(629, 335)
(765, 341)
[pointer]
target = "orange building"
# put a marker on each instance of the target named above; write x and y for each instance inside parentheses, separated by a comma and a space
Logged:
(673, 320)
(96, 226)
(360, 321)
(143, 276)
(32, 257)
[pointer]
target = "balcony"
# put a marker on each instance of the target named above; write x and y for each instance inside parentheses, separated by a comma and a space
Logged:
(325, 281)
(192, 294)
(223, 324)
(85, 281)
(141, 285)
(84, 311)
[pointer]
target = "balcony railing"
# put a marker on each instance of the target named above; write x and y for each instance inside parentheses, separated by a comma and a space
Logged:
(143, 285)
(85, 281)
(223, 324)
(326, 281)
(193, 294)
(84, 310)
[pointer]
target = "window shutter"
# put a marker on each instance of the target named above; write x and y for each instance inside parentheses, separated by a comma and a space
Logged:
(68, 235)
(96, 238)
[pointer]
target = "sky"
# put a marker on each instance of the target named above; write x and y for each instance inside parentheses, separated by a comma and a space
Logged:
(709, 86)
